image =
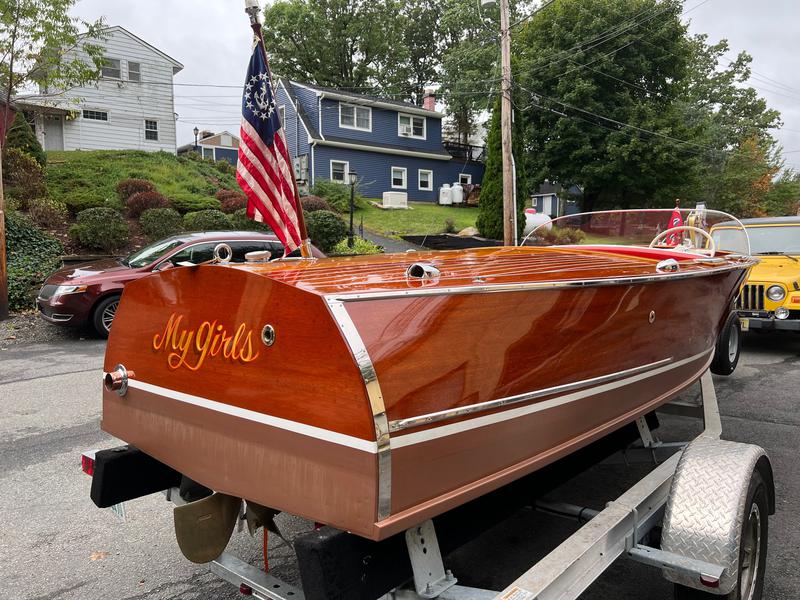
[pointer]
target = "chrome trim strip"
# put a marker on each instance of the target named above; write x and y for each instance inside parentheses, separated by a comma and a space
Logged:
(452, 413)
(373, 388)
(539, 285)
(426, 435)
(326, 435)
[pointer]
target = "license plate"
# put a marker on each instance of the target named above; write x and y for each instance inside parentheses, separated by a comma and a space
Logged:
(119, 511)
(745, 324)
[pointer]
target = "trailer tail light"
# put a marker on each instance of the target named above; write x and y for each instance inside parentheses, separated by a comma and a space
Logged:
(245, 590)
(709, 581)
(87, 463)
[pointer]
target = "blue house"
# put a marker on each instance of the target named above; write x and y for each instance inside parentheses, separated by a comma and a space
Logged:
(393, 146)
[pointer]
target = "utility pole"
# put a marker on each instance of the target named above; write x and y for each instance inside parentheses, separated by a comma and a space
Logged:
(509, 209)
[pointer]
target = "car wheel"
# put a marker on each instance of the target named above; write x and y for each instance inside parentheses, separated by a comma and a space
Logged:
(728, 347)
(104, 314)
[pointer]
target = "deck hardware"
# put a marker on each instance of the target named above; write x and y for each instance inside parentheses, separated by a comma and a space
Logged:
(422, 271)
(117, 380)
(268, 335)
(652, 318)
(430, 577)
(669, 265)
(223, 253)
(258, 256)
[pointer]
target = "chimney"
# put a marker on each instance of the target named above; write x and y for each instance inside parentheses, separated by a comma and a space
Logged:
(429, 99)
(206, 134)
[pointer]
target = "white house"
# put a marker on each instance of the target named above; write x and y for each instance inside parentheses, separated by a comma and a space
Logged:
(130, 107)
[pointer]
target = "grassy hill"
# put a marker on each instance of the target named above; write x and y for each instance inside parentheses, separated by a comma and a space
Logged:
(84, 178)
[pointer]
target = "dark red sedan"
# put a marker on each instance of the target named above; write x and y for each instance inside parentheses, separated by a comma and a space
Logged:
(89, 293)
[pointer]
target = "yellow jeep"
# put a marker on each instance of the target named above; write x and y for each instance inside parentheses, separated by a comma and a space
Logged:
(770, 298)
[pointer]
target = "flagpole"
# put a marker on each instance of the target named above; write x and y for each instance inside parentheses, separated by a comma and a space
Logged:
(252, 9)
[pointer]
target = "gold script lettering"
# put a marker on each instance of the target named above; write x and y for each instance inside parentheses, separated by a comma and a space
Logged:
(191, 347)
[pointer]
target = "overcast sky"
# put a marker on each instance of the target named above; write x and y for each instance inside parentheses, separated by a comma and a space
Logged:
(211, 38)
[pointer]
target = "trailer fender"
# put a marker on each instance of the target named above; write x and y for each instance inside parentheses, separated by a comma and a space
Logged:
(706, 506)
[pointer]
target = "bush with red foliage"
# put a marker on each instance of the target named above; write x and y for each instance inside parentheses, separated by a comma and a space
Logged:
(138, 203)
(231, 201)
(315, 203)
(128, 187)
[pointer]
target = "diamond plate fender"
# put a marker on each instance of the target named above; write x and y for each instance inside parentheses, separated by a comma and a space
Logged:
(705, 509)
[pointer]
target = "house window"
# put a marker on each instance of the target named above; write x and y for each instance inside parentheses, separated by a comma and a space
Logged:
(355, 117)
(282, 113)
(425, 180)
(465, 178)
(411, 126)
(208, 153)
(134, 71)
(95, 115)
(339, 170)
(151, 130)
(225, 140)
(398, 178)
(111, 68)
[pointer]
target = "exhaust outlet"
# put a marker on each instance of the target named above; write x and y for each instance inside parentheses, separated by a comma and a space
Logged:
(117, 380)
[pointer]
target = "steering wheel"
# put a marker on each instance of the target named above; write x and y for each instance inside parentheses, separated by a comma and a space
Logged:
(712, 246)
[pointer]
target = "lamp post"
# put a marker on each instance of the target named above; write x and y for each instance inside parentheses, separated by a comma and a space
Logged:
(353, 179)
(196, 132)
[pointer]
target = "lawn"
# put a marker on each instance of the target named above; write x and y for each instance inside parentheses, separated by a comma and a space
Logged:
(420, 218)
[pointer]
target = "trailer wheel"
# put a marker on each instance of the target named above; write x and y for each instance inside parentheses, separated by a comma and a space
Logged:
(728, 347)
(752, 550)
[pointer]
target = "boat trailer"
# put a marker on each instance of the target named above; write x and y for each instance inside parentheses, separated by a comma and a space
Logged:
(708, 498)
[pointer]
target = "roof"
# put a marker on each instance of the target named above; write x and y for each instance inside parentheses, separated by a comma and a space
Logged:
(307, 123)
(331, 140)
(368, 100)
(772, 221)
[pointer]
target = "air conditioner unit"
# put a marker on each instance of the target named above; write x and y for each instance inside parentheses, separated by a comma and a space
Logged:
(405, 130)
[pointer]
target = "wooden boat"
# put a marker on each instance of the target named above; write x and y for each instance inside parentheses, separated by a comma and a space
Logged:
(372, 393)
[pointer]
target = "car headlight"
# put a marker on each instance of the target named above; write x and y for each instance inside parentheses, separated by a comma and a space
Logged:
(776, 293)
(782, 312)
(63, 290)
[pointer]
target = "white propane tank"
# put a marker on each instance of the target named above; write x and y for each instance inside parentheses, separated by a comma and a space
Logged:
(534, 219)
(457, 193)
(445, 194)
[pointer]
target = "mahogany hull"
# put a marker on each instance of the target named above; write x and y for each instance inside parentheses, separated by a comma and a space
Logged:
(372, 412)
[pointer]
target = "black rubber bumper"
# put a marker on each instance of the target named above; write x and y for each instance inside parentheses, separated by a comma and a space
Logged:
(772, 324)
(125, 473)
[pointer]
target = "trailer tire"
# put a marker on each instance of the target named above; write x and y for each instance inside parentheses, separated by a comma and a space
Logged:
(752, 549)
(728, 347)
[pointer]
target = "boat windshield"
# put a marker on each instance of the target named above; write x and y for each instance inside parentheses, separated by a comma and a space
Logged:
(150, 253)
(679, 228)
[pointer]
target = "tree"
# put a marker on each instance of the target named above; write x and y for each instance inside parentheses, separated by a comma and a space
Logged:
(490, 211)
(600, 110)
(783, 198)
(747, 179)
(348, 44)
(40, 43)
(21, 136)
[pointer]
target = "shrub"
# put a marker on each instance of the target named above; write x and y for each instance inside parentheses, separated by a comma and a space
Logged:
(101, 228)
(22, 176)
(231, 201)
(157, 223)
(337, 194)
(128, 187)
(559, 236)
(361, 246)
(224, 167)
(185, 203)
(314, 203)
(141, 201)
(21, 136)
(47, 212)
(241, 222)
(449, 226)
(206, 220)
(32, 255)
(78, 203)
(325, 229)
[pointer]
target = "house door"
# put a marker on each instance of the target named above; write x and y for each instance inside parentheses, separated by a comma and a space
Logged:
(547, 205)
(53, 132)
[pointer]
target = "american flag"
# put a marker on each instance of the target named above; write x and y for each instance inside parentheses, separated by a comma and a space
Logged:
(265, 170)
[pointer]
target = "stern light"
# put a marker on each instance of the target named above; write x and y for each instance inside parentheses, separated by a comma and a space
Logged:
(117, 380)
(776, 293)
(87, 463)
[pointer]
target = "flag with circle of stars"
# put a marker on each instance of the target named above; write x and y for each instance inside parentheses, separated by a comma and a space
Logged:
(264, 170)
